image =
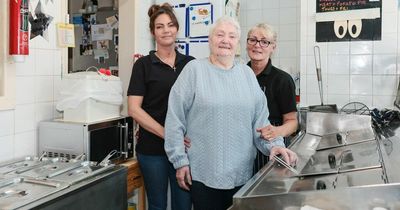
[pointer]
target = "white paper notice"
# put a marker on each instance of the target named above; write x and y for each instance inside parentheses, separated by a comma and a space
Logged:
(101, 32)
(112, 21)
(101, 53)
(200, 19)
(180, 13)
(65, 35)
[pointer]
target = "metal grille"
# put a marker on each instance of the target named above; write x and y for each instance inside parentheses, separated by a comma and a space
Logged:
(260, 161)
(62, 155)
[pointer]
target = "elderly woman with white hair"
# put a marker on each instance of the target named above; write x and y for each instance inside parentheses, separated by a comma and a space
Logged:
(218, 104)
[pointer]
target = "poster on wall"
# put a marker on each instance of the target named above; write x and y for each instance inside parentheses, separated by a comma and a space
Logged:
(200, 19)
(182, 47)
(180, 12)
(232, 8)
(348, 20)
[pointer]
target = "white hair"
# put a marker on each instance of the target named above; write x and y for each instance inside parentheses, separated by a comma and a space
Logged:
(226, 19)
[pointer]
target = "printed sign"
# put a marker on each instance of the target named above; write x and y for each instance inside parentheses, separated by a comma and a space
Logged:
(345, 20)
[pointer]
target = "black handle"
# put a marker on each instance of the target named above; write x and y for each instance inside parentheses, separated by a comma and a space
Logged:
(124, 140)
(321, 185)
(332, 160)
(339, 138)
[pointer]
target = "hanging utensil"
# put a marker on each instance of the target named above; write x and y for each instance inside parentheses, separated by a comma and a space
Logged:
(329, 108)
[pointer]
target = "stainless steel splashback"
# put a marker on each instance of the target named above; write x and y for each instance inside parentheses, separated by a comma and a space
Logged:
(326, 123)
(343, 164)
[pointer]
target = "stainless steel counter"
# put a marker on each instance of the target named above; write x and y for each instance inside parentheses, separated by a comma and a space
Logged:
(57, 183)
(103, 191)
(343, 164)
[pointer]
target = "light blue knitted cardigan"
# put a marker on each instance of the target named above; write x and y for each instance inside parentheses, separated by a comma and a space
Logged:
(219, 110)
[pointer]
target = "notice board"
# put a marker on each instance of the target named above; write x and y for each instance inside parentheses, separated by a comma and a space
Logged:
(348, 20)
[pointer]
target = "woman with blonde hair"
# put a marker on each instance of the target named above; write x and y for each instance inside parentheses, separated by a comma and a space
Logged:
(277, 85)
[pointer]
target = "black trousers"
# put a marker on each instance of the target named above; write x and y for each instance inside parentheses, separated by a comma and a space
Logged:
(207, 198)
(261, 160)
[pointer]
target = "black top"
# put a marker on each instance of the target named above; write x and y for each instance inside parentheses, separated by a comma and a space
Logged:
(279, 88)
(153, 79)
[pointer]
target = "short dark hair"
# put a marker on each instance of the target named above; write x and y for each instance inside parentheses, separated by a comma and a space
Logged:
(156, 10)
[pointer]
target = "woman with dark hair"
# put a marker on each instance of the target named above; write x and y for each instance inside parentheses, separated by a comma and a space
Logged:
(152, 78)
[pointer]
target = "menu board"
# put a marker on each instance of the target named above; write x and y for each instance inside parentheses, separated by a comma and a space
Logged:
(348, 20)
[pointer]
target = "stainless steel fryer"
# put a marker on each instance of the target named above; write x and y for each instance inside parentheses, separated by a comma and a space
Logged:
(355, 171)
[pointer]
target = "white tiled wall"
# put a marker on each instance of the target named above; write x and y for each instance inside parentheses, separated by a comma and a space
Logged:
(284, 16)
(363, 71)
(352, 71)
(143, 39)
(37, 80)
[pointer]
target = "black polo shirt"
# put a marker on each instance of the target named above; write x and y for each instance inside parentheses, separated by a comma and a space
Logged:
(279, 88)
(153, 79)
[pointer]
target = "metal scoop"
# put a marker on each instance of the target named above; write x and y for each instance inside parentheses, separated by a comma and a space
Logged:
(9, 193)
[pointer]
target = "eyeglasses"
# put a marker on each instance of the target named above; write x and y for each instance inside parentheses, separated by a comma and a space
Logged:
(263, 42)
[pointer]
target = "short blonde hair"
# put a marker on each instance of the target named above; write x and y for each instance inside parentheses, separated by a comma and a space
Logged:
(267, 29)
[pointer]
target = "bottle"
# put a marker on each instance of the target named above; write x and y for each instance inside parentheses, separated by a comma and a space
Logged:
(95, 5)
(89, 6)
(115, 4)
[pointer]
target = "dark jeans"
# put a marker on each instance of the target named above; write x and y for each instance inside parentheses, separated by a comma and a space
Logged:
(207, 198)
(157, 170)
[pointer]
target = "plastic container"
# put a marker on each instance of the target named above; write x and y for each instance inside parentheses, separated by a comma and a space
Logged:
(90, 96)
(132, 206)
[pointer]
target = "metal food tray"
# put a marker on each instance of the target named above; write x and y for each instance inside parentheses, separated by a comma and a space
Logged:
(346, 158)
(50, 169)
(18, 165)
(86, 170)
(346, 138)
(19, 191)
(30, 181)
